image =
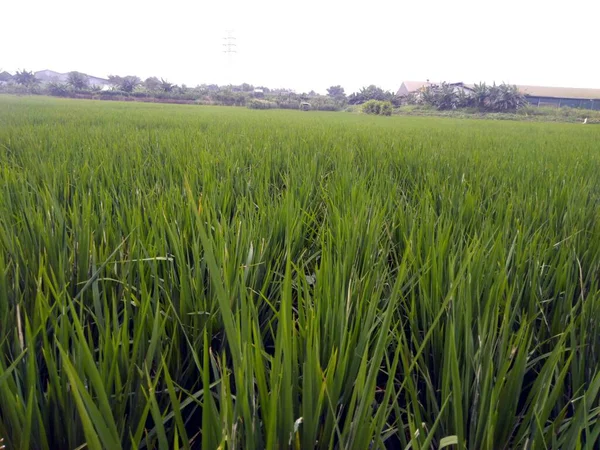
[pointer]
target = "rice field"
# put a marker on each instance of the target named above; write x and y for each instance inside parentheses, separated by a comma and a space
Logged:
(178, 277)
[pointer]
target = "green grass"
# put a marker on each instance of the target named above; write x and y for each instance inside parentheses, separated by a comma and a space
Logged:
(204, 277)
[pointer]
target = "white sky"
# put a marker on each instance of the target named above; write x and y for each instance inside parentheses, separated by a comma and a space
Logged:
(310, 44)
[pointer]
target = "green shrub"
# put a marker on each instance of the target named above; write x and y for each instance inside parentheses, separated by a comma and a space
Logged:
(504, 97)
(115, 93)
(58, 89)
(321, 103)
(19, 89)
(260, 104)
(386, 109)
(445, 96)
(371, 92)
(371, 107)
(326, 107)
(377, 107)
(230, 98)
(288, 104)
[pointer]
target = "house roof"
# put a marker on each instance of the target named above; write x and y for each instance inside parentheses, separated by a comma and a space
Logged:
(93, 79)
(560, 92)
(51, 75)
(534, 91)
(413, 86)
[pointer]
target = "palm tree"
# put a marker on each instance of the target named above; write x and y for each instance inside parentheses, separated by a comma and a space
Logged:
(25, 78)
(480, 95)
(165, 86)
(77, 80)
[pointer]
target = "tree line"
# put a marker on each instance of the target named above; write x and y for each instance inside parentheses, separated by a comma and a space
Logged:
(372, 99)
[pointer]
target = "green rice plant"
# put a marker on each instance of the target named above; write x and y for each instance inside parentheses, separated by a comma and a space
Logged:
(191, 277)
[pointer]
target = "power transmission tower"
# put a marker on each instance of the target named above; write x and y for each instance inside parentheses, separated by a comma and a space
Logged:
(229, 44)
(230, 49)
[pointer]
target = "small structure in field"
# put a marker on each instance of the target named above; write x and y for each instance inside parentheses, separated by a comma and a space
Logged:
(305, 106)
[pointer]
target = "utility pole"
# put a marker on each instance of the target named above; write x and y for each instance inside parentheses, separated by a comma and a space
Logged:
(230, 49)
(229, 43)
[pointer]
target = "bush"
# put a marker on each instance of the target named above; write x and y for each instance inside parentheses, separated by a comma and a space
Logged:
(326, 107)
(77, 80)
(371, 92)
(411, 108)
(377, 107)
(229, 98)
(58, 89)
(325, 104)
(445, 96)
(260, 104)
(499, 98)
(386, 109)
(371, 107)
(19, 89)
(115, 93)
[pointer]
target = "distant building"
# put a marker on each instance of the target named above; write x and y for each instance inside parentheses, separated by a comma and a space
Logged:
(412, 87)
(50, 76)
(535, 95)
(5, 77)
(99, 82)
(558, 97)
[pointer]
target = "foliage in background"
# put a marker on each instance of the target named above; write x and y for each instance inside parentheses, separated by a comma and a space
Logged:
(446, 96)
(77, 80)
(154, 89)
(256, 103)
(59, 89)
(216, 278)
(443, 96)
(230, 98)
(126, 84)
(372, 92)
(25, 78)
(152, 84)
(165, 86)
(337, 93)
(494, 98)
(504, 97)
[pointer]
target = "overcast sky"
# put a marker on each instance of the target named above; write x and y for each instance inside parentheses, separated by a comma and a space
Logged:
(309, 44)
